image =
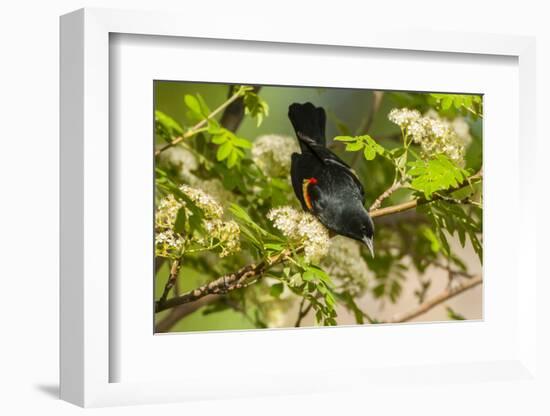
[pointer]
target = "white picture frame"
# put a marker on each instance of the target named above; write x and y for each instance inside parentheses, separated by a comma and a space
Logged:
(87, 305)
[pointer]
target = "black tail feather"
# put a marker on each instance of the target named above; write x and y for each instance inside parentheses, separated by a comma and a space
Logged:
(308, 121)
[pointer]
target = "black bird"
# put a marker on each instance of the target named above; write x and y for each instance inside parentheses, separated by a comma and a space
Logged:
(325, 185)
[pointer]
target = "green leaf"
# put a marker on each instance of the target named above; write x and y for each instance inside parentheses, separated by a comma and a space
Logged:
(205, 111)
(446, 103)
(243, 218)
(369, 153)
(276, 290)
(435, 245)
(220, 139)
(308, 276)
(345, 139)
(255, 106)
(352, 306)
(453, 315)
(231, 146)
(353, 147)
(454, 218)
(455, 104)
(240, 142)
(430, 176)
(354, 144)
(315, 273)
(193, 104)
(181, 221)
(374, 145)
(232, 159)
(224, 151)
(166, 127)
(295, 280)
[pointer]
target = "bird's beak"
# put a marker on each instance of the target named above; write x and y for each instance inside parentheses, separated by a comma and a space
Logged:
(370, 245)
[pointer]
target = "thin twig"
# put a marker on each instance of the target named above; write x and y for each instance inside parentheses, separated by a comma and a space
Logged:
(172, 278)
(201, 124)
(442, 297)
(369, 119)
(378, 201)
(452, 271)
(420, 201)
(302, 312)
(365, 126)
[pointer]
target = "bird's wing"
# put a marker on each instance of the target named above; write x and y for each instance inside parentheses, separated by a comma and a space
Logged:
(329, 158)
(348, 171)
(321, 156)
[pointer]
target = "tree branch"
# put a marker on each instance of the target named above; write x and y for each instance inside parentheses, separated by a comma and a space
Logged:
(226, 283)
(201, 124)
(442, 297)
(181, 311)
(172, 278)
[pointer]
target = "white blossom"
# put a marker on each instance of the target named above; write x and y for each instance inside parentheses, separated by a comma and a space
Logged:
(272, 153)
(221, 234)
(227, 232)
(302, 228)
(462, 130)
(210, 207)
(215, 188)
(434, 134)
(185, 163)
(345, 263)
(403, 116)
(182, 160)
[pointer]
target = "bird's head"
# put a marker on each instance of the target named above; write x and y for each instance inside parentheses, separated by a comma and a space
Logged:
(359, 226)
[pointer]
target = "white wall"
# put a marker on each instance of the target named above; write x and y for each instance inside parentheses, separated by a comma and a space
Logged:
(29, 209)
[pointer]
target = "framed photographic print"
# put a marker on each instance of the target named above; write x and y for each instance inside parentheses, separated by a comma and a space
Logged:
(221, 199)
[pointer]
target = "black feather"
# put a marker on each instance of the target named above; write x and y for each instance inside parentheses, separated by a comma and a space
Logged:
(309, 122)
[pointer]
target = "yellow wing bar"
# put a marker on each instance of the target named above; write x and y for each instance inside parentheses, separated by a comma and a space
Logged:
(305, 186)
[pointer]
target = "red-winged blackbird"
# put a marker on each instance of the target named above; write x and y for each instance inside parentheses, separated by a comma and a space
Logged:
(325, 185)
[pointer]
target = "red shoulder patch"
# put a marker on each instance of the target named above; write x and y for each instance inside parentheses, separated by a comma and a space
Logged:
(305, 191)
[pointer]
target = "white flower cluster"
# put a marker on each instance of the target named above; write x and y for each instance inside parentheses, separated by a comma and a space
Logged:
(345, 263)
(210, 207)
(220, 233)
(434, 134)
(302, 228)
(168, 243)
(272, 154)
(215, 188)
(403, 116)
(184, 162)
(226, 232)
